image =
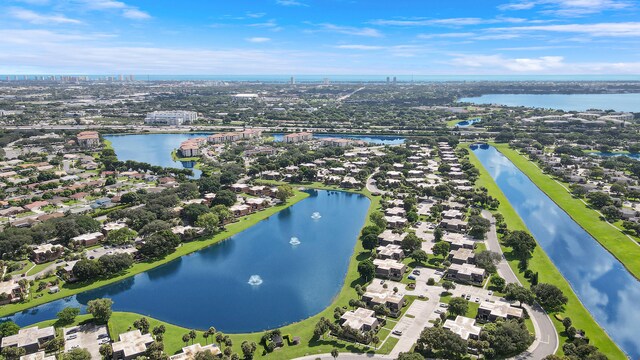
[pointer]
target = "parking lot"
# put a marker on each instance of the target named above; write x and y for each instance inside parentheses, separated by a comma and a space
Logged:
(88, 336)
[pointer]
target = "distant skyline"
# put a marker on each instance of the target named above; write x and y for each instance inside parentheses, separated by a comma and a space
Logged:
(317, 37)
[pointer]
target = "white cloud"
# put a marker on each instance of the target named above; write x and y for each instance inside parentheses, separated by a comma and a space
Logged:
(255, 15)
(453, 22)
(359, 47)
(350, 30)
(520, 65)
(446, 35)
(258, 39)
(135, 14)
(569, 7)
(290, 3)
(36, 18)
(622, 29)
(127, 11)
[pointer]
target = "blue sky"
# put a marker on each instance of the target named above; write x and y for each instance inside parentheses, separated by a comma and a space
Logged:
(333, 37)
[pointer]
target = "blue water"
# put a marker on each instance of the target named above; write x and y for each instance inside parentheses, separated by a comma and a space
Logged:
(371, 139)
(466, 123)
(608, 154)
(154, 149)
(574, 102)
(211, 287)
(603, 285)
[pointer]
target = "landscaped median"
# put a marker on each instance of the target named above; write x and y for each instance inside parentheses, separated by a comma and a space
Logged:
(626, 250)
(122, 321)
(548, 273)
(184, 249)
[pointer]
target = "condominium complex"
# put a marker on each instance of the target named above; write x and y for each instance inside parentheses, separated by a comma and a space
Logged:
(178, 117)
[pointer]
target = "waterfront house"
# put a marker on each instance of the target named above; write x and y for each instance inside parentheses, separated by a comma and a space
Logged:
(297, 137)
(130, 345)
(388, 237)
(189, 352)
(389, 269)
(393, 301)
(390, 251)
(45, 253)
(30, 339)
(361, 319)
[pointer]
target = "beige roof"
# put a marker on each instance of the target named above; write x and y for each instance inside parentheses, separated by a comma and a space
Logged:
(463, 327)
(28, 336)
(132, 343)
(388, 264)
(358, 318)
(501, 309)
(40, 355)
(189, 352)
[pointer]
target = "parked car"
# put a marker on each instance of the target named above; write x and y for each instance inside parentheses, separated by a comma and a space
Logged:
(416, 272)
(444, 305)
(397, 332)
(468, 297)
(490, 293)
(411, 277)
(477, 299)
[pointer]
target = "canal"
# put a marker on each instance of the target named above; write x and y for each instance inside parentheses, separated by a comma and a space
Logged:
(599, 280)
(282, 270)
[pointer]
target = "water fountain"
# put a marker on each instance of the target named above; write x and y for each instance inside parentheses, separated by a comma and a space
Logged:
(255, 280)
(294, 241)
(316, 216)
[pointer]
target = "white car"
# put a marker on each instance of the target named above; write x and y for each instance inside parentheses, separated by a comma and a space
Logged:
(397, 332)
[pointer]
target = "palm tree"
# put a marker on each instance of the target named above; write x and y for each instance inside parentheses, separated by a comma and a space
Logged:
(335, 353)
(212, 331)
(192, 335)
(205, 335)
(185, 339)
(219, 338)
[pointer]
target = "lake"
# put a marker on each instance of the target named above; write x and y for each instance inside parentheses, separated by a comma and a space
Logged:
(573, 102)
(608, 154)
(371, 139)
(602, 284)
(282, 270)
(154, 149)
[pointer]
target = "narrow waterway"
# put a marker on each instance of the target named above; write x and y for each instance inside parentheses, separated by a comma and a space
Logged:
(603, 285)
(281, 270)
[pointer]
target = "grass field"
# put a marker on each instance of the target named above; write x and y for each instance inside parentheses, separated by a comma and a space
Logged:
(615, 241)
(184, 249)
(548, 273)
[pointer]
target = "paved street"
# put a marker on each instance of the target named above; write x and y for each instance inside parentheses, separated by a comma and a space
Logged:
(546, 341)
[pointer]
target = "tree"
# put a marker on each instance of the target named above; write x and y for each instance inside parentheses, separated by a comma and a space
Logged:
(248, 349)
(487, 260)
(441, 248)
(514, 292)
(106, 351)
(438, 234)
(185, 339)
(54, 345)
(437, 342)
(498, 282)
(458, 306)
(410, 356)
(284, 192)
(205, 355)
(377, 218)
(522, 244)
(86, 269)
(611, 213)
(13, 352)
(478, 226)
(192, 335)
(335, 353)
(209, 222)
(566, 322)
(77, 354)
(159, 244)
(224, 197)
(122, 236)
(448, 285)
(366, 269)
(506, 337)
(142, 324)
(68, 315)
(598, 199)
(369, 241)
(8, 328)
(618, 189)
(115, 263)
(192, 212)
(411, 243)
(420, 256)
(100, 309)
(549, 296)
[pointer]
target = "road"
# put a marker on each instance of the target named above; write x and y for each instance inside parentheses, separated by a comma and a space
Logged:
(546, 342)
(371, 184)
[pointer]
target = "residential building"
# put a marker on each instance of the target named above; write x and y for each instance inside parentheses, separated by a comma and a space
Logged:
(189, 352)
(178, 117)
(393, 301)
(462, 256)
(492, 311)
(464, 327)
(390, 251)
(389, 269)
(130, 345)
(388, 237)
(88, 139)
(466, 273)
(10, 291)
(30, 339)
(40, 355)
(361, 319)
(46, 252)
(88, 239)
(297, 137)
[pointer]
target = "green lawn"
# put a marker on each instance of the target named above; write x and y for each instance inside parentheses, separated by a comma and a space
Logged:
(36, 269)
(184, 249)
(615, 241)
(548, 273)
